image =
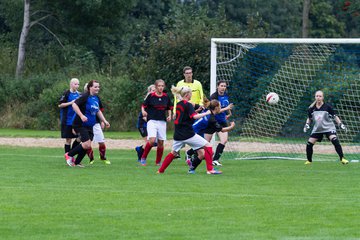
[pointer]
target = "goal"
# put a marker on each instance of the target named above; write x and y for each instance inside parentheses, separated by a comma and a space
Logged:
(294, 69)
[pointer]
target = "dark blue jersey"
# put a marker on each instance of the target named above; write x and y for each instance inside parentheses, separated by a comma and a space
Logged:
(156, 106)
(207, 124)
(224, 102)
(141, 123)
(67, 114)
(89, 106)
(184, 121)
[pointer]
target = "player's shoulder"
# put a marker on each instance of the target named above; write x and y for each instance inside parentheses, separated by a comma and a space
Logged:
(214, 96)
(196, 82)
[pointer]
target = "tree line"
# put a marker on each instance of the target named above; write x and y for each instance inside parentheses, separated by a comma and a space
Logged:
(127, 44)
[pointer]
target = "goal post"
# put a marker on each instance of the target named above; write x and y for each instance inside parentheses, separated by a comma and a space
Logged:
(293, 68)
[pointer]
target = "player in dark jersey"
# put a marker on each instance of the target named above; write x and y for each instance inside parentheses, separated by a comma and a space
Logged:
(206, 127)
(67, 113)
(323, 116)
(222, 96)
(141, 125)
(184, 132)
(87, 107)
(156, 109)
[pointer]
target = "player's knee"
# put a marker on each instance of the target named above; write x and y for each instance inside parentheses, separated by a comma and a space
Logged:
(86, 145)
(309, 145)
(335, 141)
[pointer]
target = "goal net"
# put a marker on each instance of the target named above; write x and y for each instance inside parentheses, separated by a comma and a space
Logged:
(294, 69)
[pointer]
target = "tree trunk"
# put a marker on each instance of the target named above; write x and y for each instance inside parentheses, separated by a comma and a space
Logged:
(22, 42)
(305, 18)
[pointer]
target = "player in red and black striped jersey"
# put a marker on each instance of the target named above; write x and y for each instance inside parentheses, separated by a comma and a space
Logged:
(184, 132)
(156, 109)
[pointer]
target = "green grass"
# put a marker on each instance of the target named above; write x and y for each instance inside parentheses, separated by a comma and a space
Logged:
(42, 198)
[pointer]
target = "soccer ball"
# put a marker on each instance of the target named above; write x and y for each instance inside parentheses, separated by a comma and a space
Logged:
(272, 98)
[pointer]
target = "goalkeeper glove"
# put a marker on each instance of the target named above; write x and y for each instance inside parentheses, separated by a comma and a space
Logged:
(342, 126)
(306, 127)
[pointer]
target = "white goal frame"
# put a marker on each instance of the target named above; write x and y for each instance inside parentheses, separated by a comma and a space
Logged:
(216, 41)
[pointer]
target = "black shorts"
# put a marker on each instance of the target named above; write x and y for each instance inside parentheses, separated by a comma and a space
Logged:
(66, 132)
(85, 133)
(143, 131)
(320, 136)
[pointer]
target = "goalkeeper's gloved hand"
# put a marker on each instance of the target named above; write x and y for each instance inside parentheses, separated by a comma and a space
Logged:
(343, 127)
(306, 127)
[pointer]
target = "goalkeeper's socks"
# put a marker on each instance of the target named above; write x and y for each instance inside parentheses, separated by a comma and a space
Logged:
(338, 148)
(309, 151)
(219, 150)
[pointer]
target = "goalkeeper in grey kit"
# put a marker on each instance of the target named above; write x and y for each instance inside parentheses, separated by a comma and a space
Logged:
(323, 116)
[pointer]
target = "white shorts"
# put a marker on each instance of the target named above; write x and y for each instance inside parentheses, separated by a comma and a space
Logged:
(98, 133)
(196, 142)
(156, 129)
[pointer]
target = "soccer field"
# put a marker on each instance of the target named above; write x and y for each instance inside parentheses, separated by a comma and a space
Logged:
(42, 198)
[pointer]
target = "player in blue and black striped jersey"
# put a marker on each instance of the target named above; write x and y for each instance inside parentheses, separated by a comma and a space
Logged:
(222, 96)
(67, 113)
(87, 108)
(323, 116)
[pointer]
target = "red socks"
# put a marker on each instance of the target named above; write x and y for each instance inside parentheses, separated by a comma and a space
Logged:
(102, 150)
(167, 160)
(208, 158)
(146, 150)
(90, 153)
(159, 154)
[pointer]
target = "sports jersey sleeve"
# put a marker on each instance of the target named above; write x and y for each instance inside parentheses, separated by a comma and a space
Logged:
(214, 96)
(191, 110)
(331, 110)
(170, 105)
(64, 97)
(101, 106)
(146, 101)
(310, 113)
(81, 100)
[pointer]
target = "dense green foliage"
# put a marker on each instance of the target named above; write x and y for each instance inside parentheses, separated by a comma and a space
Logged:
(42, 198)
(128, 44)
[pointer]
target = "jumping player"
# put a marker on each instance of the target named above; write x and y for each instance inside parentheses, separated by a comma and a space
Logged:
(184, 133)
(67, 113)
(222, 118)
(87, 107)
(154, 110)
(323, 116)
